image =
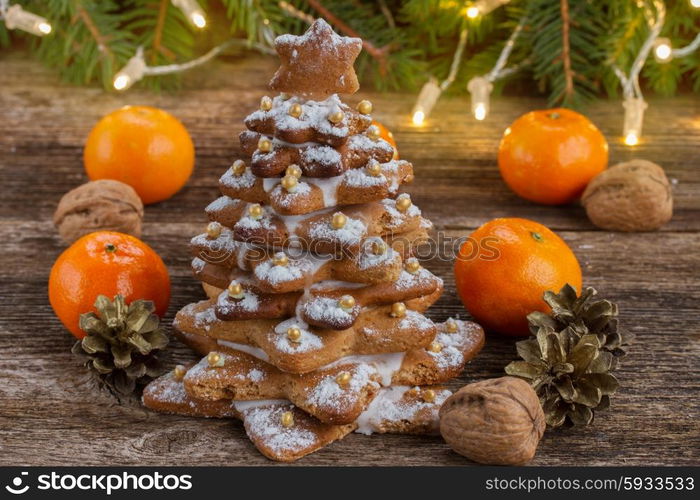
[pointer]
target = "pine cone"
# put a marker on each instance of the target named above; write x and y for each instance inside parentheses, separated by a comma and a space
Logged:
(121, 343)
(586, 314)
(569, 359)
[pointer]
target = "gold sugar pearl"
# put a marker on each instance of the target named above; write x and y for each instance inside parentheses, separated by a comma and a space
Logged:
(365, 107)
(403, 202)
(398, 310)
(213, 230)
(379, 248)
(235, 290)
(346, 302)
(215, 359)
(435, 347)
(373, 132)
(336, 116)
(264, 145)
(338, 221)
(280, 259)
(295, 110)
(265, 103)
(255, 211)
(287, 419)
(238, 167)
(412, 265)
(451, 326)
(290, 183)
(408, 179)
(179, 372)
(293, 334)
(374, 168)
(428, 395)
(293, 170)
(343, 378)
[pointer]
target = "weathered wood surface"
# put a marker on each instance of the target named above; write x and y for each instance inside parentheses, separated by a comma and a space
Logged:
(49, 416)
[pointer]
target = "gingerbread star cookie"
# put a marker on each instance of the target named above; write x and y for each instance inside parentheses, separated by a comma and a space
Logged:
(317, 64)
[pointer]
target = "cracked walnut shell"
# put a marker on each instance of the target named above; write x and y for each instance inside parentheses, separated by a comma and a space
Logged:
(107, 205)
(496, 421)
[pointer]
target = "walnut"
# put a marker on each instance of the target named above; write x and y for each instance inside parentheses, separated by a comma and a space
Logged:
(630, 196)
(96, 206)
(497, 421)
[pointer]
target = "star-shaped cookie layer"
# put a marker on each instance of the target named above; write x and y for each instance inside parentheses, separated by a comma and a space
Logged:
(317, 64)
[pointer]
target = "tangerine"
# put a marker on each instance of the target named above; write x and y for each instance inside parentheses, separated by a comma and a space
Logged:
(550, 156)
(106, 263)
(505, 267)
(144, 147)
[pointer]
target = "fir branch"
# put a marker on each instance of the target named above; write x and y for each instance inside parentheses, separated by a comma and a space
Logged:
(162, 10)
(566, 48)
(94, 31)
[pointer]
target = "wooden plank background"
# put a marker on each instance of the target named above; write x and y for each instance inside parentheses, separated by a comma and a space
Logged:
(50, 416)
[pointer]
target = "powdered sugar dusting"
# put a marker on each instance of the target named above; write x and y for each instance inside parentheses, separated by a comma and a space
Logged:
(264, 424)
(308, 341)
(350, 234)
(322, 155)
(326, 310)
(328, 393)
(415, 321)
(275, 275)
(243, 181)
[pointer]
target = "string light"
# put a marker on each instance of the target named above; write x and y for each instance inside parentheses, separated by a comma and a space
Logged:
(17, 18)
(634, 103)
(662, 50)
(634, 118)
(431, 91)
(695, 3)
(192, 11)
(136, 68)
(480, 87)
(483, 7)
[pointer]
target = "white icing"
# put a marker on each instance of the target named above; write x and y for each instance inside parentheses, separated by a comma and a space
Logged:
(256, 352)
(243, 406)
(389, 406)
(386, 364)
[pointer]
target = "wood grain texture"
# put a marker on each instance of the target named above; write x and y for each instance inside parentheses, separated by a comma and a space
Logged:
(50, 416)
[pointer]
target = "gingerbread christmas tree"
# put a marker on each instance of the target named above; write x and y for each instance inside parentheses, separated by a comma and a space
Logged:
(314, 324)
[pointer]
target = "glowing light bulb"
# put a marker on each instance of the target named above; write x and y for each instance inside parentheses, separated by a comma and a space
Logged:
(631, 139)
(426, 101)
(121, 82)
(483, 7)
(18, 18)
(192, 11)
(662, 50)
(480, 112)
(45, 28)
(634, 118)
(480, 89)
(198, 20)
(695, 3)
(418, 118)
(131, 73)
